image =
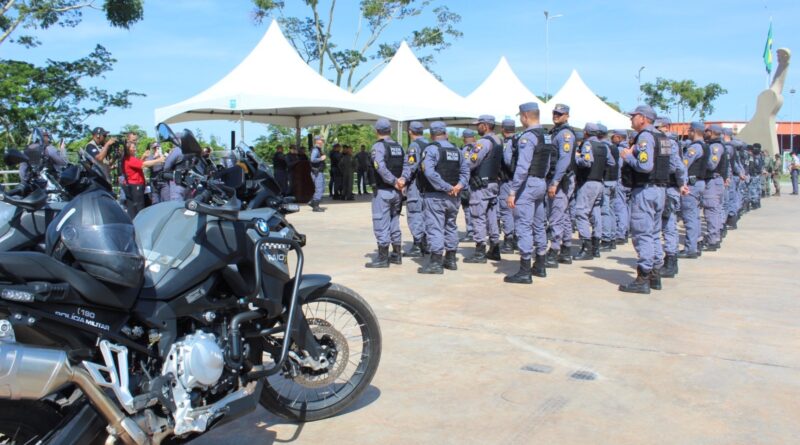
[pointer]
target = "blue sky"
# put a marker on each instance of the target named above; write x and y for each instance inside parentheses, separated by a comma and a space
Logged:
(183, 46)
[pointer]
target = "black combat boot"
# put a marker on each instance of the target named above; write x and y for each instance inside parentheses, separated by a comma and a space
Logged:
(596, 247)
(467, 237)
(523, 275)
(731, 222)
(380, 261)
(539, 268)
(494, 252)
(709, 247)
(655, 279)
(508, 244)
(396, 257)
(688, 255)
(415, 251)
(607, 246)
(423, 245)
(724, 232)
(450, 262)
(479, 256)
(434, 265)
(641, 285)
(565, 255)
(551, 259)
(670, 268)
(586, 251)
(622, 241)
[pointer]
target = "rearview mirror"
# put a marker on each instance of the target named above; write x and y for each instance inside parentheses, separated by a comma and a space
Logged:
(14, 157)
(165, 134)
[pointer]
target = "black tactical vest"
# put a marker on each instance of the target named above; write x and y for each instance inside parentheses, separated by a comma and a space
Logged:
(421, 143)
(722, 165)
(660, 173)
(572, 141)
(600, 153)
(448, 167)
(393, 157)
(698, 167)
(612, 173)
(757, 165)
(489, 170)
(507, 171)
(544, 152)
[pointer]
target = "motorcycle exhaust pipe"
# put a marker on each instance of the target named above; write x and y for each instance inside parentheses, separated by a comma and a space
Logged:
(28, 372)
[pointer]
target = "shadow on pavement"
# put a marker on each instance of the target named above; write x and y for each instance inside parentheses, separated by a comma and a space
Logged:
(610, 275)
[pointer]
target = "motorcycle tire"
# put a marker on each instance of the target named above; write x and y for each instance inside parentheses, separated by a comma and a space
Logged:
(26, 421)
(292, 407)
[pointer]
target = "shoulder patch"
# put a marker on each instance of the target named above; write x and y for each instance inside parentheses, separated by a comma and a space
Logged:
(567, 135)
(478, 146)
(643, 144)
(686, 162)
(692, 152)
(642, 157)
(587, 157)
(412, 159)
(523, 141)
(714, 158)
(566, 146)
(716, 150)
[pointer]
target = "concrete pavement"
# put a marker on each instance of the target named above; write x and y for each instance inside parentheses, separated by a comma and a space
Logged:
(714, 358)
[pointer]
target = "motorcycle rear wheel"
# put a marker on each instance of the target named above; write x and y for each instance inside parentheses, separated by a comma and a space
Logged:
(26, 421)
(338, 315)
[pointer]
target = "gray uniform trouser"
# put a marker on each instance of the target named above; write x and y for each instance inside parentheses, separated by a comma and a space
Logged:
(506, 215)
(690, 211)
(386, 207)
(587, 209)
(647, 204)
(558, 215)
(607, 211)
(712, 209)
(415, 216)
(483, 209)
(530, 218)
(441, 230)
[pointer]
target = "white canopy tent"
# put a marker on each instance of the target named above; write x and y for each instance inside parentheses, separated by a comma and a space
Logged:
(502, 92)
(407, 91)
(271, 85)
(585, 106)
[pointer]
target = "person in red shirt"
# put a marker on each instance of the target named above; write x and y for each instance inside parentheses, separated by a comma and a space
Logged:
(134, 178)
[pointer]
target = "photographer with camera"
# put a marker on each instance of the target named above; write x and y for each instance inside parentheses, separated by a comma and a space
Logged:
(159, 187)
(133, 169)
(100, 144)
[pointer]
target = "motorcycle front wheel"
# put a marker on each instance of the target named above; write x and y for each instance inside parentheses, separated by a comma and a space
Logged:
(345, 324)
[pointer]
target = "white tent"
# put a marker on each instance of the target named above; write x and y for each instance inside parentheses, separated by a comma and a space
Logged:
(271, 85)
(502, 92)
(585, 106)
(406, 91)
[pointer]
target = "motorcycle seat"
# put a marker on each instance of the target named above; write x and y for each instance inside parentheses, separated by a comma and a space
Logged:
(35, 266)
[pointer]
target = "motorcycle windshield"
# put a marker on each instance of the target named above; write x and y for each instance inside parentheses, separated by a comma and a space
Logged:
(106, 239)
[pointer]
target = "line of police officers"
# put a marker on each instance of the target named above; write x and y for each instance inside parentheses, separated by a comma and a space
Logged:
(538, 186)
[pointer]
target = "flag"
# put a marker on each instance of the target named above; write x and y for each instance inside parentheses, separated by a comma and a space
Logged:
(768, 51)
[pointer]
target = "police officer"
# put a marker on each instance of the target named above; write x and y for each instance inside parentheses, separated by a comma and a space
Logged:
(173, 162)
(591, 162)
(415, 217)
(676, 187)
(608, 239)
(745, 154)
(99, 145)
(756, 171)
(695, 158)
(559, 189)
(646, 171)
(485, 159)
(527, 194)
(732, 198)
(622, 196)
(715, 186)
(317, 173)
(42, 154)
(506, 174)
(159, 187)
(466, 150)
(445, 173)
(392, 173)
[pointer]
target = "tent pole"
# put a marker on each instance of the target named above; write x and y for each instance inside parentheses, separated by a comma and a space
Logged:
(241, 125)
(297, 131)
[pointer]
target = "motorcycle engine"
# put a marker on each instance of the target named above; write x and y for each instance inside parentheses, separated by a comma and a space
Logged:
(196, 361)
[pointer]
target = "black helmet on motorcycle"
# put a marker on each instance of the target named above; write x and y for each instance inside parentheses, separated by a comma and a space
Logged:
(93, 233)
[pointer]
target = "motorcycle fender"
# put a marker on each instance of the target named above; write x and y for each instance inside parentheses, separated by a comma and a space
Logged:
(310, 285)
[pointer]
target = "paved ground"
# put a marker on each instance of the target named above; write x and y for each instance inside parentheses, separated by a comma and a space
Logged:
(714, 358)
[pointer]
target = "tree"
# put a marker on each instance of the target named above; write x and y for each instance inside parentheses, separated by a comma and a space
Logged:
(666, 95)
(42, 14)
(53, 96)
(311, 35)
(614, 105)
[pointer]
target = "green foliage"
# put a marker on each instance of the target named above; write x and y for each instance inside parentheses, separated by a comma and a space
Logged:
(42, 14)
(311, 35)
(54, 96)
(666, 94)
(614, 105)
(264, 146)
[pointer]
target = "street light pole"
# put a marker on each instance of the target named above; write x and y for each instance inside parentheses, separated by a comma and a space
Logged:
(547, 18)
(791, 122)
(639, 79)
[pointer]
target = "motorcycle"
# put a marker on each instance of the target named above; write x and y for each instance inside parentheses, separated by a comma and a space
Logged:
(161, 329)
(27, 209)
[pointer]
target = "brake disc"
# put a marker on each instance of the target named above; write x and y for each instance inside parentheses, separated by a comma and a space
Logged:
(334, 370)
